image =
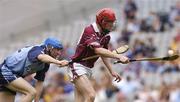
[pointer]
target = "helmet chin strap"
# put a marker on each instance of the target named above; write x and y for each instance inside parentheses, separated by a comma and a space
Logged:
(105, 31)
(48, 50)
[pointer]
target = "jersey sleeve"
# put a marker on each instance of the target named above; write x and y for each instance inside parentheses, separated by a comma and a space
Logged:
(34, 52)
(40, 75)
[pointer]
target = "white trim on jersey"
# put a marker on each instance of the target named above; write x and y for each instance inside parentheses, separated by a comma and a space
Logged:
(95, 27)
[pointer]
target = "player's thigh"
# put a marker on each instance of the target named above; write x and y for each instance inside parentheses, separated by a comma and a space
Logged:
(78, 96)
(20, 85)
(77, 92)
(84, 85)
(7, 96)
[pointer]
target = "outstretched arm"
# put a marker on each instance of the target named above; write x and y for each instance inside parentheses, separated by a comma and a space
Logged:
(48, 59)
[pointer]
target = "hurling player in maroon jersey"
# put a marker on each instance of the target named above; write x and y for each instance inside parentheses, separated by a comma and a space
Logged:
(93, 41)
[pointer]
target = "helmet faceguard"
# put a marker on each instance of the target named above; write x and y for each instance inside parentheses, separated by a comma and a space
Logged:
(104, 17)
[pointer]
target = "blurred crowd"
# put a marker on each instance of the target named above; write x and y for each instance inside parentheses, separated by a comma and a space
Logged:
(156, 21)
(141, 81)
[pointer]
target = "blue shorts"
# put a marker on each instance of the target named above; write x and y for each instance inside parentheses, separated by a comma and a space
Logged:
(6, 76)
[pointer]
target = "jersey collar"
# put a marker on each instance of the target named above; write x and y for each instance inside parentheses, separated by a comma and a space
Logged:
(95, 27)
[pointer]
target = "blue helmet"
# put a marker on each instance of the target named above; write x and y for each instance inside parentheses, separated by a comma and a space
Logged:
(55, 43)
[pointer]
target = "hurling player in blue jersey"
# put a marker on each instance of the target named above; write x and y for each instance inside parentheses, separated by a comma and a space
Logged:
(26, 61)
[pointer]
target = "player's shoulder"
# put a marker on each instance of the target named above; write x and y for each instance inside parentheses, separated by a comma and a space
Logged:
(40, 47)
(37, 48)
(89, 29)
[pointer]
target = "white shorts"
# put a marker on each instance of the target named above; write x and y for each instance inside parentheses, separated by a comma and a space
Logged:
(78, 70)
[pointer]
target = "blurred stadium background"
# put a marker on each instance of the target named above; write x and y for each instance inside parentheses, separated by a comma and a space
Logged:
(149, 27)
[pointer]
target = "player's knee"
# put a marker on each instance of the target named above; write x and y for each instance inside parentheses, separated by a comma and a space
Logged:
(92, 95)
(32, 93)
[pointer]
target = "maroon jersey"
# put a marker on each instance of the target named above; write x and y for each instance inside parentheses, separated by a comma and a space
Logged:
(90, 39)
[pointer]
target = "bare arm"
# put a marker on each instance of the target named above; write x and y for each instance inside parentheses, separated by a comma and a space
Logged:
(105, 61)
(109, 67)
(39, 88)
(48, 59)
(106, 53)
